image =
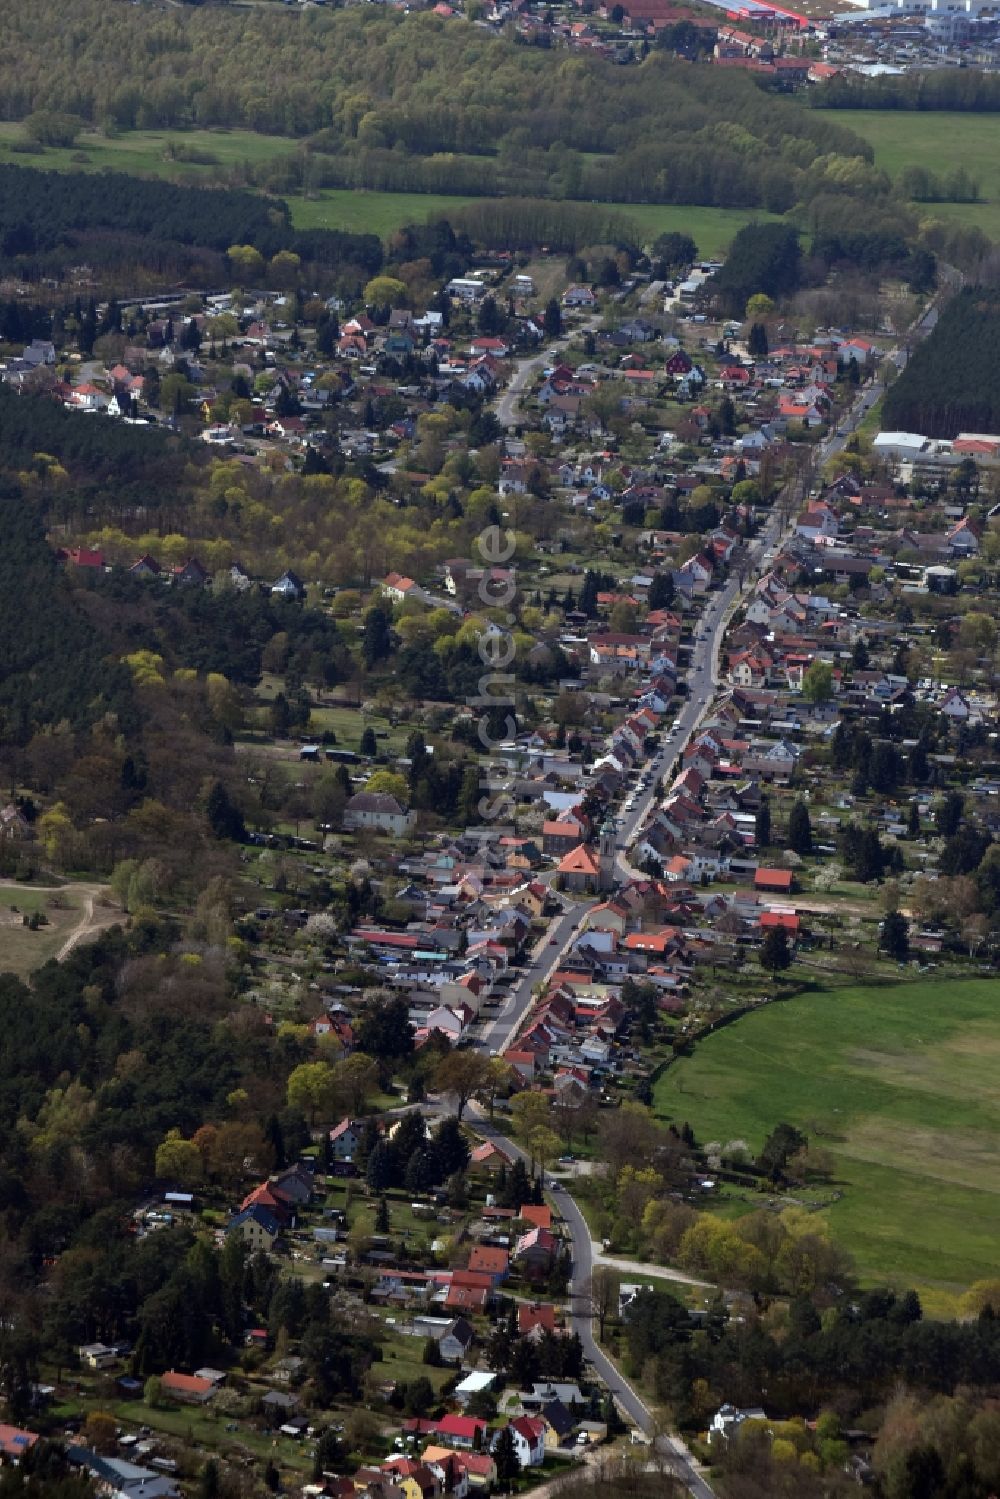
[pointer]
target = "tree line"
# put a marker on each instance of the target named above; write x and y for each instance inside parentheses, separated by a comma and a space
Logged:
(966, 89)
(55, 668)
(848, 1359)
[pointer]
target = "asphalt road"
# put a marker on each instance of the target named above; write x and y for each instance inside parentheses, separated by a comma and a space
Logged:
(545, 958)
(507, 405)
(678, 1459)
(702, 680)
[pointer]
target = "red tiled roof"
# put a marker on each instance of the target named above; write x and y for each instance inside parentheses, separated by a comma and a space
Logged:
(787, 920)
(464, 1427)
(536, 1314)
(486, 1258)
(466, 1298)
(185, 1384)
(580, 860)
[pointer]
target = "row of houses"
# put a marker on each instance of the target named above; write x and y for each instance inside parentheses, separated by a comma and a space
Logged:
(189, 573)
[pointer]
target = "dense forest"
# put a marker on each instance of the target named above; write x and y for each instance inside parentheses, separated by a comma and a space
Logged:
(385, 100)
(952, 381)
(44, 215)
(105, 453)
(54, 668)
(76, 467)
(101, 700)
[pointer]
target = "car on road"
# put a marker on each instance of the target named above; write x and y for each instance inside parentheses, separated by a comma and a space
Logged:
(553, 941)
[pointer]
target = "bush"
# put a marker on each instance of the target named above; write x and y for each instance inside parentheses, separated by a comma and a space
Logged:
(50, 128)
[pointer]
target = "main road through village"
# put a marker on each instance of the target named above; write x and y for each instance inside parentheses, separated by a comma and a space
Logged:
(702, 681)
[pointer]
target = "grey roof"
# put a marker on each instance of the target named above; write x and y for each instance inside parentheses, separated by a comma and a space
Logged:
(123, 1477)
(374, 801)
(558, 1417)
(280, 1400)
(460, 1329)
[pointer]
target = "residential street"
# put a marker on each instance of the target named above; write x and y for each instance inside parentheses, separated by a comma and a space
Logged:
(630, 1402)
(702, 679)
(506, 408)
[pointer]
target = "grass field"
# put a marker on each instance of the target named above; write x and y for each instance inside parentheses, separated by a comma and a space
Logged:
(900, 1085)
(144, 152)
(940, 142)
(382, 213)
(22, 950)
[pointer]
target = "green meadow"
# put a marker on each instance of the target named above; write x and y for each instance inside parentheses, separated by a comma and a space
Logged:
(939, 141)
(146, 153)
(382, 213)
(901, 1084)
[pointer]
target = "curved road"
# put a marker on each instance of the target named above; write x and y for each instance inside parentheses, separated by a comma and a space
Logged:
(678, 1458)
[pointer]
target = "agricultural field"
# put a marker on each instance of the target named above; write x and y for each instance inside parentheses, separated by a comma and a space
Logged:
(939, 141)
(146, 153)
(898, 1083)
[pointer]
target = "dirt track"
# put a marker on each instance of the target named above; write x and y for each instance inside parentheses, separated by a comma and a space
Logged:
(93, 918)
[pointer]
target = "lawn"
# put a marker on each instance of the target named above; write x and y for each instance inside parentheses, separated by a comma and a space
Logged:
(144, 152)
(403, 1360)
(364, 212)
(899, 1084)
(939, 141)
(382, 213)
(350, 723)
(345, 721)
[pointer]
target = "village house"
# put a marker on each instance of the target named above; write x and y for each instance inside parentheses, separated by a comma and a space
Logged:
(462, 1431)
(456, 1340)
(378, 811)
(258, 1228)
(190, 1389)
(344, 1138)
(528, 1433)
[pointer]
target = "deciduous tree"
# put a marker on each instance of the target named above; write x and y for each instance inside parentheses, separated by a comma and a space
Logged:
(461, 1074)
